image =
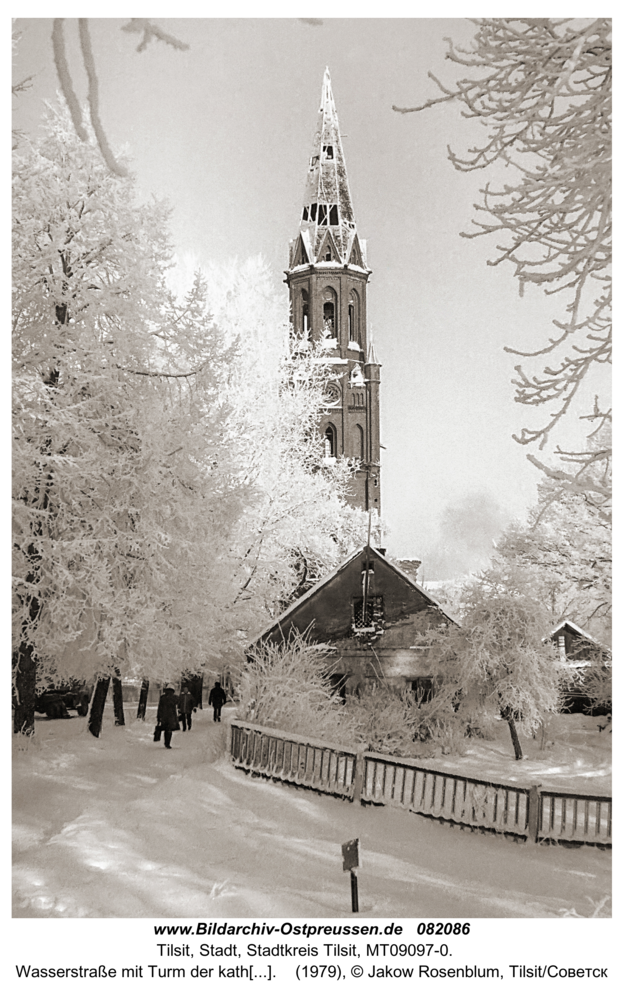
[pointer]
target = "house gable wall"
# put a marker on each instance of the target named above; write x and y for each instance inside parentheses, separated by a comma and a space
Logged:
(328, 615)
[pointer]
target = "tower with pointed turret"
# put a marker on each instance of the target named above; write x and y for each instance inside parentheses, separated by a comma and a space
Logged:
(327, 277)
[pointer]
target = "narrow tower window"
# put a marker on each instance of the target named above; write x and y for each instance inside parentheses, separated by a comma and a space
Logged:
(330, 441)
(359, 442)
(333, 215)
(328, 152)
(354, 319)
(322, 215)
(329, 311)
(305, 312)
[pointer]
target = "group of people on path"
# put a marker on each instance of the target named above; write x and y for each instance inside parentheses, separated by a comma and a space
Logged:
(174, 710)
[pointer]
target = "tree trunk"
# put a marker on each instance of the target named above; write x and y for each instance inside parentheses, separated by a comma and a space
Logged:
(195, 684)
(97, 705)
(24, 693)
(514, 736)
(143, 699)
(118, 699)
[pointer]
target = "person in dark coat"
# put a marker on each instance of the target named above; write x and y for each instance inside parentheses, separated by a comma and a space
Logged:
(167, 715)
(186, 704)
(217, 699)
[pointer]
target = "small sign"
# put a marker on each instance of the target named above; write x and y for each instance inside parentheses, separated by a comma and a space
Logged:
(351, 855)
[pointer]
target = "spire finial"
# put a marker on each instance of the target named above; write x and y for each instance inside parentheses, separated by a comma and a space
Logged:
(327, 200)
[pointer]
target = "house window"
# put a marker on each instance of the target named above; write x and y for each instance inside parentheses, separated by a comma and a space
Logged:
(339, 684)
(423, 689)
(373, 614)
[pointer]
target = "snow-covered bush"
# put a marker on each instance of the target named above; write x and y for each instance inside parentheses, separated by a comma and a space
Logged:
(390, 720)
(288, 687)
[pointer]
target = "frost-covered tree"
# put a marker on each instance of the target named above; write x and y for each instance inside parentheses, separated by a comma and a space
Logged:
(498, 660)
(160, 490)
(542, 89)
(300, 525)
(563, 554)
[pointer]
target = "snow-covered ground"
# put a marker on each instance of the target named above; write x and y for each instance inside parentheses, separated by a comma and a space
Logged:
(574, 755)
(120, 827)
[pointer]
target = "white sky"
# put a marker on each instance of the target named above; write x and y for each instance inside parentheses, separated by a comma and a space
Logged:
(223, 131)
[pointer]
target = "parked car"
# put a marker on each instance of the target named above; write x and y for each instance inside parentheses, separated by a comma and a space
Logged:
(57, 702)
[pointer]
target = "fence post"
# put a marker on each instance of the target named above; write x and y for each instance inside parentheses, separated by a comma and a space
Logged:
(535, 801)
(359, 765)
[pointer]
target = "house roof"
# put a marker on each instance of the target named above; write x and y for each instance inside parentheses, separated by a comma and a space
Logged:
(309, 594)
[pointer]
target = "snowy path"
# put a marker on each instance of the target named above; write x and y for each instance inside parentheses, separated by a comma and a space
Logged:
(119, 827)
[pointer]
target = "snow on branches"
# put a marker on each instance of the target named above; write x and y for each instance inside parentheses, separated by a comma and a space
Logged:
(167, 469)
(542, 88)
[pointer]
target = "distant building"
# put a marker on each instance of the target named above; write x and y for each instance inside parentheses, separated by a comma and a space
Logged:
(577, 645)
(370, 612)
(327, 279)
(580, 650)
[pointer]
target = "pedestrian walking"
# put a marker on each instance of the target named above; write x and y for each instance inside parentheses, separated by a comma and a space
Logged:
(167, 715)
(186, 707)
(217, 699)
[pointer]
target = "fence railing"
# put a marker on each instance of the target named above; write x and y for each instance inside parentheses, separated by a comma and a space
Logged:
(582, 819)
(468, 801)
(529, 813)
(297, 759)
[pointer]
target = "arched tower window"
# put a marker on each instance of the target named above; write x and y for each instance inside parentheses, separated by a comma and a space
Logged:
(331, 442)
(329, 311)
(305, 312)
(354, 318)
(359, 442)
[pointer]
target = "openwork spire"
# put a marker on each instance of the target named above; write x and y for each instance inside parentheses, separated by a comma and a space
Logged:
(327, 223)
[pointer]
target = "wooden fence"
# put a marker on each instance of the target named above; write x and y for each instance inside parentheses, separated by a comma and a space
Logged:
(527, 813)
(584, 819)
(297, 759)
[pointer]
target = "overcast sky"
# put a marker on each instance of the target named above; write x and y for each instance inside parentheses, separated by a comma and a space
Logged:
(224, 130)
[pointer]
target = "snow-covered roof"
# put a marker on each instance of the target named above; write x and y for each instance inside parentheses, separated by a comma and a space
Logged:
(566, 623)
(329, 576)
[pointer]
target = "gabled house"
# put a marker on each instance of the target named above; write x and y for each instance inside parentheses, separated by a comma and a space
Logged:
(370, 612)
(577, 645)
(579, 650)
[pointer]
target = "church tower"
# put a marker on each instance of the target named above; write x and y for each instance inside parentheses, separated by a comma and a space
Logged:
(327, 277)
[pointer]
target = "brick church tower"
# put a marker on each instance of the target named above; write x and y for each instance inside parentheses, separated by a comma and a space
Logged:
(327, 277)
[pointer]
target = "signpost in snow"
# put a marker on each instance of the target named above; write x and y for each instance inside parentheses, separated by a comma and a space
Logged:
(351, 860)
